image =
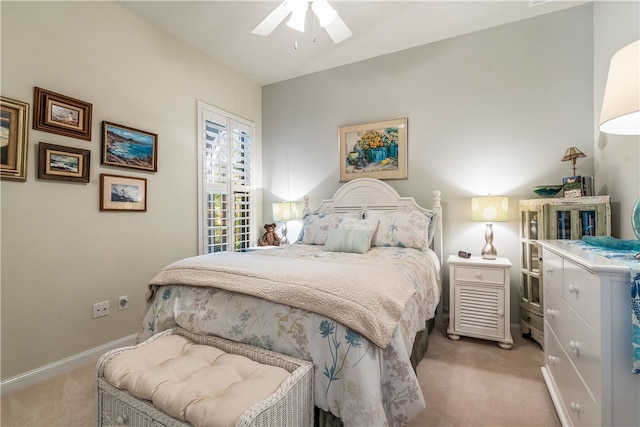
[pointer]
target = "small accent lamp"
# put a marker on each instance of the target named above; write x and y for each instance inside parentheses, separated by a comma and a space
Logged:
(285, 211)
(621, 104)
(572, 154)
(489, 209)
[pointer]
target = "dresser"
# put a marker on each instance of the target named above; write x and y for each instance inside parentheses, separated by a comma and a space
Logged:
(479, 297)
(587, 337)
(552, 218)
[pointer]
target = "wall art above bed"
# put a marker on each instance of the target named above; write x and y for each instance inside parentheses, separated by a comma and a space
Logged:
(374, 150)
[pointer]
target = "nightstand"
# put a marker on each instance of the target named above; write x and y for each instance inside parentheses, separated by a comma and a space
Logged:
(479, 299)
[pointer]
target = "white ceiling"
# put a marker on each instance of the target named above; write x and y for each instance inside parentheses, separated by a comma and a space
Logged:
(222, 30)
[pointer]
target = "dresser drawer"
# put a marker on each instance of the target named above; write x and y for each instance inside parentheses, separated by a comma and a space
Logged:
(581, 289)
(578, 340)
(552, 269)
(578, 403)
(479, 275)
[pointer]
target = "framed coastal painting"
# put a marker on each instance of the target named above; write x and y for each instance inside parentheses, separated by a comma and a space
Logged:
(373, 150)
(123, 193)
(60, 114)
(59, 163)
(14, 133)
(126, 147)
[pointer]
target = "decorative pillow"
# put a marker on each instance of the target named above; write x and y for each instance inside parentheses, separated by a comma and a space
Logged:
(353, 241)
(358, 224)
(402, 229)
(315, 227)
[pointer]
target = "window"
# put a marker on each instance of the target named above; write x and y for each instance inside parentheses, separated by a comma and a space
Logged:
(224, 169)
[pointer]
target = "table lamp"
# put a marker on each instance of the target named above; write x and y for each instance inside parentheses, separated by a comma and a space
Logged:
(621, 103)
(489, 209)
(285, 211)
(572, 154)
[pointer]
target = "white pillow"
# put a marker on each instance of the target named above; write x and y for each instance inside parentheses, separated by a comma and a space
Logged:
(352, 241)
(358, 224)
(401, 229)
(315, 227)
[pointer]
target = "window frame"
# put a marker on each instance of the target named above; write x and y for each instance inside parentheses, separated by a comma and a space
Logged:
(230, 190)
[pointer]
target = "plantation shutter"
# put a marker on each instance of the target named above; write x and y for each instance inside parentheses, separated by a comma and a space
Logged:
(226, 197)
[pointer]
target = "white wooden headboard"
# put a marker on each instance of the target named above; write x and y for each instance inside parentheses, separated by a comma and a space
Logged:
(363, 194)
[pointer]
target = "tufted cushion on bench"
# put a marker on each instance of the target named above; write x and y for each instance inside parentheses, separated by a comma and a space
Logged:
(197, 383)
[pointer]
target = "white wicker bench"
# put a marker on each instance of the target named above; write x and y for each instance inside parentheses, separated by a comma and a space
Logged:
(290, 405)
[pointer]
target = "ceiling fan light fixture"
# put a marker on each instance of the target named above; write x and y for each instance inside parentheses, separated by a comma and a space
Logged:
(325, 13)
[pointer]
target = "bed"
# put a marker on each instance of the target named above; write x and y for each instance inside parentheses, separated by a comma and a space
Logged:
(355, 294)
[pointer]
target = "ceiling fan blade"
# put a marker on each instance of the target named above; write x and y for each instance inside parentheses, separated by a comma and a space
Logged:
(338, 30)
(272, 20)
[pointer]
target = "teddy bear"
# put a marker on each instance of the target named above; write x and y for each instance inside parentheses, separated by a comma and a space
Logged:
(270, 238)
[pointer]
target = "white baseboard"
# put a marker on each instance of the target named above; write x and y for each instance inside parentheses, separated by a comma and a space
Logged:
(45, 372)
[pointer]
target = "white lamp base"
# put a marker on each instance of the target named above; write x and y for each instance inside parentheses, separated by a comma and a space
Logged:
(488, 250)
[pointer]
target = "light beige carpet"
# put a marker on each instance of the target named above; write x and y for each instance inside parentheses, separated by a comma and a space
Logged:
(465, 383)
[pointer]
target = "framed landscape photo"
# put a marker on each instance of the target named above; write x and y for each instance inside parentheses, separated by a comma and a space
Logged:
(59, 163)
(14, 133)
(123, 193)
(373, 150)
(126, 147)
(56, 113)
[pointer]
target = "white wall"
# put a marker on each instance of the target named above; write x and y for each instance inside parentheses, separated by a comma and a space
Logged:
(488, 112)
(60, 254)
(616, 24)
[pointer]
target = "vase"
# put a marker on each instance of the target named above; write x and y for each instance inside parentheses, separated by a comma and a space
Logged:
(393, 149)
(376, 155)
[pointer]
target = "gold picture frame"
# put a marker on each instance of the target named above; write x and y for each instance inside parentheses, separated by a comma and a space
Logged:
(14, 119)
(60, 114)
(123, 193)
(59, 163)
(373, 150)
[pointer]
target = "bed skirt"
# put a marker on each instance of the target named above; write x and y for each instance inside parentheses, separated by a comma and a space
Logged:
(420, 345)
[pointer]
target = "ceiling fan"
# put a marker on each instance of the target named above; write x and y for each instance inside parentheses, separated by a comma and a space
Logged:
(328, 17)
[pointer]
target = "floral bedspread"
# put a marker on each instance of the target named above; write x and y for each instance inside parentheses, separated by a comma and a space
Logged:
(355, 380)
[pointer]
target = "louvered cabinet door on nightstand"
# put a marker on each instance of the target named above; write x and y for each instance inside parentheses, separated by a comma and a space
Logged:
(479, 299)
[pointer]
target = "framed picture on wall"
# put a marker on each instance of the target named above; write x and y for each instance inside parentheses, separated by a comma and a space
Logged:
(123, 193)
(126, 147)
(374, 150)
(14, 132)
(58, 163)
(60, 114)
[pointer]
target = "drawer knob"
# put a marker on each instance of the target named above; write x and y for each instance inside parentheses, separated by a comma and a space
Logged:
(573, 288)
(553, 359)
(551, 312)
(478, 275)
(122, 419)
(575, 407)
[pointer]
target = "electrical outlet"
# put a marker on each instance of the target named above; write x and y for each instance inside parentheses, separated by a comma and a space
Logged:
(123, 302)
(100, 309)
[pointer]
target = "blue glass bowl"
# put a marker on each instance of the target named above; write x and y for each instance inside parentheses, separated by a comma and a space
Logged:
(547, 190)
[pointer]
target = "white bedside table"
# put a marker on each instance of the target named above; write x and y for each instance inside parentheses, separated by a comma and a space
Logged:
(479, 299)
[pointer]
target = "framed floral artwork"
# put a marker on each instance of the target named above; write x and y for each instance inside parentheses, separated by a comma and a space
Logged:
(14, 133)
(374, 150)
(126, 147)
(60, 114)
(123, 193)
(59, 163)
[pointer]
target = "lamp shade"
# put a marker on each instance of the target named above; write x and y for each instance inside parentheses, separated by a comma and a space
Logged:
(621, 104)
(285, 211)
(490, 208)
